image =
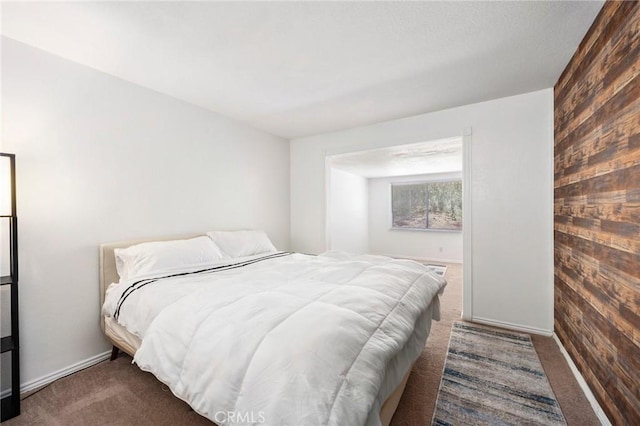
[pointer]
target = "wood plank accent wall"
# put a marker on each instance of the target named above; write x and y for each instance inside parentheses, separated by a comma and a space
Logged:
(597, 210)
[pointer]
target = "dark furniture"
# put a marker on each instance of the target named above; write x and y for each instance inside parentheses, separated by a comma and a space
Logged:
(11, 403)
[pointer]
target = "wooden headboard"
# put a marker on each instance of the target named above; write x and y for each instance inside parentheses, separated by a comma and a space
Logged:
(108, 272)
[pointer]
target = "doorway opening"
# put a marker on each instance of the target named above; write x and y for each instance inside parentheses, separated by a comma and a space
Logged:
(405, 201)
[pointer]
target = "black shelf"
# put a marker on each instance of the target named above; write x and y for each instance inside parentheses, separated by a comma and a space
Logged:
(7, 344)
(10, 408)
(11, 344)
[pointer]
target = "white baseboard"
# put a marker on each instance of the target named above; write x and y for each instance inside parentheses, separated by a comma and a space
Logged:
(52, 377)
(511, 326)
(583, 384)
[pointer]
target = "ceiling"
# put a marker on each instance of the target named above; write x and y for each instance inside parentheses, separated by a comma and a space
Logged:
(439, 156)
(301, 68)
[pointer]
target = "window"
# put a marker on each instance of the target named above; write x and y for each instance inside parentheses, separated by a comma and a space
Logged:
(427, 205)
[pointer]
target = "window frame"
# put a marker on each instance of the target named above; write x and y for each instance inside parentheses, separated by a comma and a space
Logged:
(422, 182)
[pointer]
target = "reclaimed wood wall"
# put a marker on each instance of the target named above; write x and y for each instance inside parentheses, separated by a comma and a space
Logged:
(597, 210)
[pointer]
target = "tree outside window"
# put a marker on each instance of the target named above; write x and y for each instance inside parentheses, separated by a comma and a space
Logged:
(427, 205)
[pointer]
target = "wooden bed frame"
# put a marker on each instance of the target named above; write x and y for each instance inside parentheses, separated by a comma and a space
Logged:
(129, 343)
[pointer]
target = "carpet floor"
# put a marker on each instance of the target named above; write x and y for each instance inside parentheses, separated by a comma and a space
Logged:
(118, 393)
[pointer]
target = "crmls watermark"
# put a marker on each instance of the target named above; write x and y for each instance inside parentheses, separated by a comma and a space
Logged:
(239, 417)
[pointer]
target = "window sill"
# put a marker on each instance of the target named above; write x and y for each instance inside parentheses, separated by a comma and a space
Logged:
(424, 229)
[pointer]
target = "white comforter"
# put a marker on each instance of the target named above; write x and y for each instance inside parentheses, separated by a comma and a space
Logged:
(295, 340)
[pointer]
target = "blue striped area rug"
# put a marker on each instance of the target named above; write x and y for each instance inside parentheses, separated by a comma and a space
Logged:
(494, 377)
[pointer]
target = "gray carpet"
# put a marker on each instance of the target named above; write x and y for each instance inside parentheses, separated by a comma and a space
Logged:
(494, 377)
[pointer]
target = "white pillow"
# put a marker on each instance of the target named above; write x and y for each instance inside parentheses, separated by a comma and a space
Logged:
(160, 257)
(242, 243)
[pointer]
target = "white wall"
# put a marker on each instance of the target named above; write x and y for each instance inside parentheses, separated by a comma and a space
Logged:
(443, 246)
(348, 207)
(99, 159)
(512, 195)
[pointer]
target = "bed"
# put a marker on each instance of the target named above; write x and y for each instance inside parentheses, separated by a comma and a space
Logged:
(171, 336)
